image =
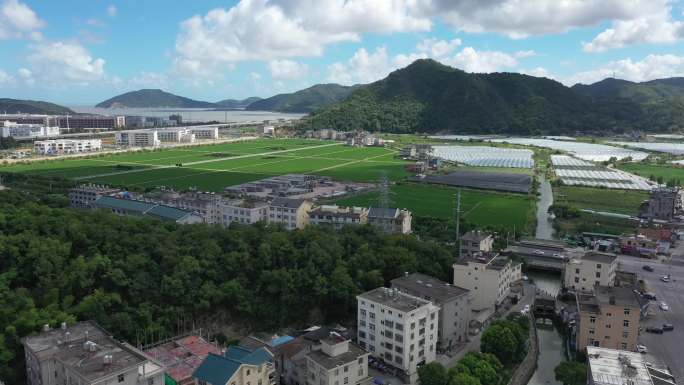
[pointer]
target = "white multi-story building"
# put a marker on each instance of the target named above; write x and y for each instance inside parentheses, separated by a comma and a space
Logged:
(592, 269)
(204, 132)
(611, 366)
(137, 138)
(453, 302)
(66, 146)
(27, 131)
(84, 196)
(338, 362)
(243, 211)
(338, 216)
(475, 241)
(176, 135)
(291, 213)
(399, 328)
(390, 220)
(86, 354)
(488, 276)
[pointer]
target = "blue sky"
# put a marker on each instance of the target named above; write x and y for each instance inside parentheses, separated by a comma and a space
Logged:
(84, 51)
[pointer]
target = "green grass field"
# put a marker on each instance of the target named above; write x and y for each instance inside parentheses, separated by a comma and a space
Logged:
(479, 207)
(615, 201)
(667, 172)
(213, 167)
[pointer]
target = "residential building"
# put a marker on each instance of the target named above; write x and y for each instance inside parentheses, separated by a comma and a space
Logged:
(592, 269)
(399, 328)
(130, 207)
(66, 146)
(243, 211)
(176, 135)
(204, 133)
(662, 204)
(205, 204)
(84, 196)
(453, 302)
(27, 131)
(640, 246)
(86, 354)
(611, 367)
(291, 357)
(137, 138)
(269, 130)
(475, 241)
(291, 213)
(338, 216)
(237, 366)
(416, 168)
(390, 220)
(609, 318)
(338, 362)
(488, 276)
(81, 122)
(181, 357)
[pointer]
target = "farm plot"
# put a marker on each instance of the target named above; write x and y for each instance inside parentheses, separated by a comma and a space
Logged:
(586, 151)
(485, 156)
(576, 172)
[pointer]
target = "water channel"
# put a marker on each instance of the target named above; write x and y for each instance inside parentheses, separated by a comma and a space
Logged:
(550, 341)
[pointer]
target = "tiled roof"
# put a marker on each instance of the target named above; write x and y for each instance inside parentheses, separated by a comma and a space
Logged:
(218, 369)
(287, 202)
(167, 212)
(124, 204)
(378, 212)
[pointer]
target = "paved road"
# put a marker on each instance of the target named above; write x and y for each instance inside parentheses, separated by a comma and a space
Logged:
(669, 346)
(544, 222)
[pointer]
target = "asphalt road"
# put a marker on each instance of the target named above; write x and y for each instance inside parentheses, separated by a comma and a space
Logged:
(668, 347)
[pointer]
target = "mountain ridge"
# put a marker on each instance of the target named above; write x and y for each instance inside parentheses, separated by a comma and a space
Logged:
(17, 106)
(305, 100)
(152, 98)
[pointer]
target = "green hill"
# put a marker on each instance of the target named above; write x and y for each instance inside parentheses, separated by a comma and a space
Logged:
(151, 98)
(16, 106)
(306, 100)
(431, 97)
(236, 103)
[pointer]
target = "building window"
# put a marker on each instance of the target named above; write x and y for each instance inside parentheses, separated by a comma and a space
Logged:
(592, 331)
(248, 371)
(346, 380)
(576, 271)
(598, 274)
(346, 368)
(598, 265)
(625, 334)
(623, 346)
(120, 378)
(627, 311)
(360, 360)
(592, 319)
(398, 326)
(625, 323)
(576, 279)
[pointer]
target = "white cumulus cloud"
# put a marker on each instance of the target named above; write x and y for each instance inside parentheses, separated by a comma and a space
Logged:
(5, 77)
(362, 67)
(60, 61)
(18, 20)
(111, 10)
(287, 69)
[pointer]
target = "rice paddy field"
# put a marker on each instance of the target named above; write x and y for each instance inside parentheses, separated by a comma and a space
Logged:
(600, 199)
(479, 207)
(214, 167)
(645, 170)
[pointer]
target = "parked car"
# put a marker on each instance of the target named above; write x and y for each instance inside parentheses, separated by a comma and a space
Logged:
(650, 296)
(526, 309)
(665, 278)
(648, 268)
(664, 306)
(654, 329)
(539, 252)
(642, 349)
(668, 327)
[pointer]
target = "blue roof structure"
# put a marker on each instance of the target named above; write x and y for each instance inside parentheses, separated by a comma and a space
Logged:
(140, 208)
(218, 370)
(280, 340)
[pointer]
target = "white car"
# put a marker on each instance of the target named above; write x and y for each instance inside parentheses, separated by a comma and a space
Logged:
(539, 252)
(642, 349)
(665, 278)
(526, 309)
(664, 306)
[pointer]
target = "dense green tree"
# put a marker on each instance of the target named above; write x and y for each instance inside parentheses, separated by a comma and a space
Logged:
(571, 373)
(506, 339)
(433, 373)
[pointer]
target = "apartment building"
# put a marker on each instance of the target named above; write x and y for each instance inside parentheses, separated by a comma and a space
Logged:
(609, 318)
(338, 216)
(390, 220)
(475, 241)
(291, 213)
(137, 138)
(611, 367)
(27, 131)
(399, 328)
(86, 354)
(204, 132)
(453, 302)
(662, 204)
(181, 357)
(66, 146)
(488, 276)
(338, 362)
(84, 196)
(176, 135)
(592, 269)
(237, 366)
(243, 211)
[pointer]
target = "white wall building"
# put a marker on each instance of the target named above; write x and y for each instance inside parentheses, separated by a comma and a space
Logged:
(611, 366)
(243, 211)
(590, 270)
(399, 328)
(488, 276)
(27, 131)
(86, 354)
(176, 135)
(66, 146)
(338, 362)
(204, 132)
(137, 138)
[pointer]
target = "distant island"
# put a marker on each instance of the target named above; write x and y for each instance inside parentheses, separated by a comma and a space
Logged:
(236, 104)
(153, 98)
(17, 106)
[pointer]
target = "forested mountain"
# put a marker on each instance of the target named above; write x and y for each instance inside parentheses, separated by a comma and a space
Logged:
(236, 103)
(152, 98)
(16, 106)
(427, 96)
(306, 100)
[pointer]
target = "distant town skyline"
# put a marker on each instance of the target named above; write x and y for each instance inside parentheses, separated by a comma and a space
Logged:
(82, 52)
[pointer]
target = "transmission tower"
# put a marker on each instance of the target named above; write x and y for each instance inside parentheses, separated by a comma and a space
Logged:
(457, 214)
